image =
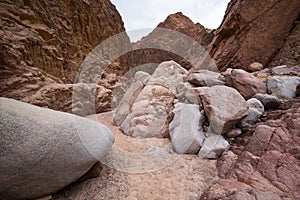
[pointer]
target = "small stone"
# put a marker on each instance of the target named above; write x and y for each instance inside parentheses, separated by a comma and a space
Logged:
(213, 147)
(234, 133)
(269, 101)
(283, 86)
(254, 67)
(255, 111)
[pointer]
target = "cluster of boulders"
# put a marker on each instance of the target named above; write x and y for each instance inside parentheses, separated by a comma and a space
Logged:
(197, 110)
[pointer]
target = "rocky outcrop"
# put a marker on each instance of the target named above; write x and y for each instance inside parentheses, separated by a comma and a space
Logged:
(80, 99)
(289, 54)
(264, 162)
(45, 42)
(43, 150)
(253, 31)
(174, 39)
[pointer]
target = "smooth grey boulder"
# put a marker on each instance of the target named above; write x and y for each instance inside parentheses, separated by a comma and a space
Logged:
(283, 86)
(255, 111)
(213, 146)
(206, 78)
(269, 101)
(186, 128)
(42, 150)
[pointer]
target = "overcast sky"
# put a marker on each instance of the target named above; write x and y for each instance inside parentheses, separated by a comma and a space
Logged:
(139, 14)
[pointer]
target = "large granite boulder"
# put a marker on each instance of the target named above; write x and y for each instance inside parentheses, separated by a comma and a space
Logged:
(151, 105)
(44, 150)
(247, 84)
(224, 107)
(186, 131)
(283, 86)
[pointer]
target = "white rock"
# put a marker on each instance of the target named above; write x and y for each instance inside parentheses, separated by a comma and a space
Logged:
(213, 146)
(186, 128)
(283, 86)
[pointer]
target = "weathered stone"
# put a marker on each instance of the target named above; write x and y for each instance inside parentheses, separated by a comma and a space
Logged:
(80, 99)
(255, 111)
(41, 146)
(206, 78)
(264, 162)
(46, 42)
(242, 37)
(186, 131)
(254, 67)
(284, 87)
(224, 107)
(247, 84)
(124, 105)
(185, 93)
(234, 132)
(269, 101)
(149, 111)
(213, 147)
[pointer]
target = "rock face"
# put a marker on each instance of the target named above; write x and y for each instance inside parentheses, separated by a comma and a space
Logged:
(242, 37)
(177, 44)
(289, 53)
(264, 162)
(149, 106)
(80, 99)
(43, 150)
(186, 131)
(246, 83)
(284, 87)
(224, 107)
(44, 42)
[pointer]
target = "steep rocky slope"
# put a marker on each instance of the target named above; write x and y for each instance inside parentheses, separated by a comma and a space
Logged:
(44, 42)
(253, 31)
(171, 40)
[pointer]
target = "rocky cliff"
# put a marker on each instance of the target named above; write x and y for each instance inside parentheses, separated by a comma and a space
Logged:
(255, 31)
(171, 40)
(45, 42)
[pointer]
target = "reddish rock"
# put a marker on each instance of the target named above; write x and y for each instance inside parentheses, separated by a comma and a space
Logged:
(224, 107)
(253, 31)
(80, 99)
(264, 162)
(177, 44)
(247, 84)
(44, 42)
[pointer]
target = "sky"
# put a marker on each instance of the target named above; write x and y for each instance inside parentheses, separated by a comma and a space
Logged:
(140, 14)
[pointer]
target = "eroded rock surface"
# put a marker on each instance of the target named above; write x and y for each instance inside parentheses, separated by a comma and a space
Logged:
(264, 162)
(253, 31)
